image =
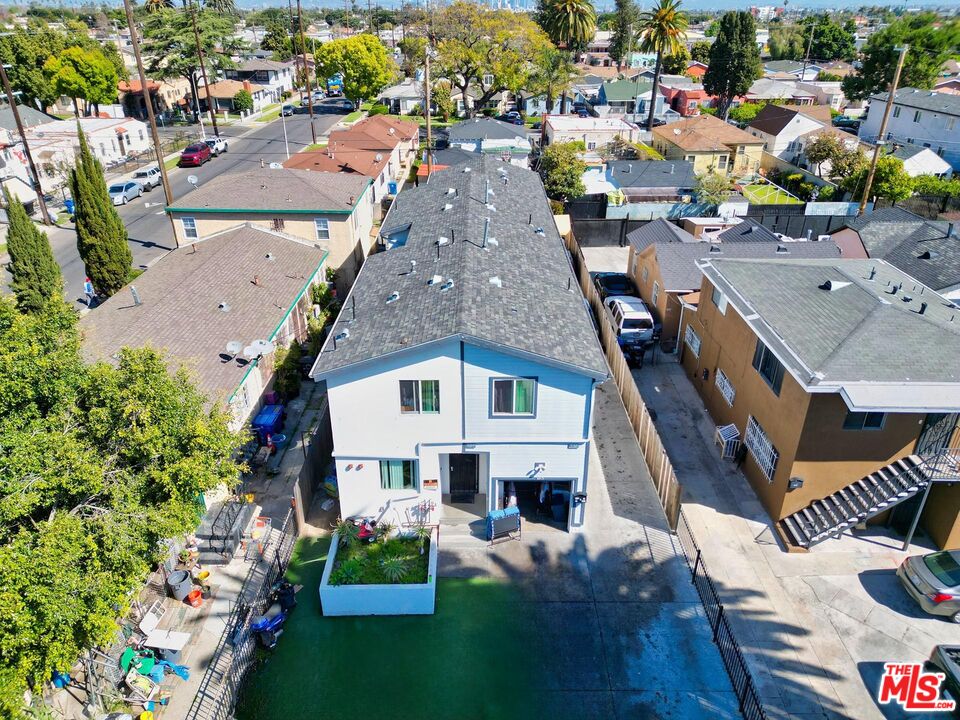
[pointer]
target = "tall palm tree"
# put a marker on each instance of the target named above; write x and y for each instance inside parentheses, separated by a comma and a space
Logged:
(662, 30)
(570, 24)
(153, 6)
(553, 75)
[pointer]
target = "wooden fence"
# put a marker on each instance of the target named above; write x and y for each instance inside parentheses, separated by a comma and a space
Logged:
(658, 462)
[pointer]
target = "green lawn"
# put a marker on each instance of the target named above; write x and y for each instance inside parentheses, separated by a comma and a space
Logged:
(171, 162)
(352, 117)
(765, 194)
(270, 113)
(316, 146)
(481, 656)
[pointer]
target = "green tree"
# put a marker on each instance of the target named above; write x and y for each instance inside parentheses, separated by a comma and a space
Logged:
(787, 42)
(440, 97)
(25, 51)
(626, 25)
(676, 63)
(932, 40)
(700, 51)
(662, 31)
(35, 275)
(890, 181)
(847, 163)
(746, 112)
(932, 185)
(734, 60)
(570, 25)
(276, 39)
(712, 29)
(361, 60)
(414, 50)
(713, 188)
(154, 6)
(243, 101)
(101, 234)
(826, 147)
(562, 170)
(831, 40)
(553, 75)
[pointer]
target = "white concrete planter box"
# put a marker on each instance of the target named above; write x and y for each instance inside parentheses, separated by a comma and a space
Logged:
(399, 599)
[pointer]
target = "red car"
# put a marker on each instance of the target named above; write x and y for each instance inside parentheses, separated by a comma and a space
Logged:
(195, 155)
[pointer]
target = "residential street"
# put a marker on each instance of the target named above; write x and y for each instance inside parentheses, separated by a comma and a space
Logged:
(147, 224)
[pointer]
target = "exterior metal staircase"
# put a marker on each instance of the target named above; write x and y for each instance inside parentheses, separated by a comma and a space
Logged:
(861, 500)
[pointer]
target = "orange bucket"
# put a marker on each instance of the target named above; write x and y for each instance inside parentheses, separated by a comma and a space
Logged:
(195, 598)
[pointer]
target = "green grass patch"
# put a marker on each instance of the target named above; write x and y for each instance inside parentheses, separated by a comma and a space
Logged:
(3, 248)
(370, 563)
(315, 146)
(765, 194)
(484, 655)
(270, 113)
(650, 152)
(171, 162)
(352, 117)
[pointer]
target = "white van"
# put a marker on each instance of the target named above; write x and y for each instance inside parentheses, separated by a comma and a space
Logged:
(631, 319)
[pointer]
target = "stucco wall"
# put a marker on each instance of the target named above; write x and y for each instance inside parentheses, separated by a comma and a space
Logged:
(667, 307)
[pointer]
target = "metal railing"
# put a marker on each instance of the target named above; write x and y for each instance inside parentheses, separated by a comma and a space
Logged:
(230, 665)
(723, 637)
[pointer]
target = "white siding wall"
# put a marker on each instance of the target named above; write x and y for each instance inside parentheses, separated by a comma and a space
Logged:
(938, 130)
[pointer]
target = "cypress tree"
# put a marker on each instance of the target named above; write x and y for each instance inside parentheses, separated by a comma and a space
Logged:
(101, 235)
(36, 278)
(734, 60)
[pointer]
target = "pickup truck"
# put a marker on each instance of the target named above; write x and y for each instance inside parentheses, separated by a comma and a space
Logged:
(217, 145)
(149, 177)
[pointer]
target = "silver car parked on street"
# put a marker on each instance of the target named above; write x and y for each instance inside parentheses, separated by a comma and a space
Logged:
(933, 580)
(122, 193)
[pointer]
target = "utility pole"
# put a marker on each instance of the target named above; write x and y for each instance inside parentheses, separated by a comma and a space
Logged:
(806, 58)
(883, 129)
(306, 71)
(203, 70)
(26, 147)
(148, 101)
(426, 110)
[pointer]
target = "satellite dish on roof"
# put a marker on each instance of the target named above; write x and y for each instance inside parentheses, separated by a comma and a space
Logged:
(234, 347)
(258, 348)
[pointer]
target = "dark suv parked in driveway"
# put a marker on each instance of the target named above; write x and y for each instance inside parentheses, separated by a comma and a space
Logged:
(609, 284)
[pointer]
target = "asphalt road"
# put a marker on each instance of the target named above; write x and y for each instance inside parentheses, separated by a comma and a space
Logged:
(148, 226)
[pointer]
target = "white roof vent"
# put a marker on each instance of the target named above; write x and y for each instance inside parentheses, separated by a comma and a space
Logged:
(448, 206)
(466, 169)
(495, 280)
(443, 240)
(446, 286)
(491, 208)
(451, 191)
(539, 231)
(223, 307)
(393, 297)
(435, 280)
(492, 242)
(833, 285)
(342, 335)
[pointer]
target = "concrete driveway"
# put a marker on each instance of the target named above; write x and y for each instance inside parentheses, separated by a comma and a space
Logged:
(623, 632)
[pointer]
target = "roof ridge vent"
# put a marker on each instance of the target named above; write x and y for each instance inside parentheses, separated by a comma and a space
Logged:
(715, 248)
(782, 250)
(492, 242)
(447, 206)
(495, 280)
(435, 280)
(833, 285)
(539, 231)
(466, 169)
(451, 191)
(393, 297)
(447, 285)
(443, 240)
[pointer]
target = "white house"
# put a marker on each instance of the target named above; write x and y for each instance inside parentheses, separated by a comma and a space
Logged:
(460, 373)
(276, 77)
(591, 131)
(780, 128)
(919, 117)
(403, 98)
(922, 161)
(492, 137)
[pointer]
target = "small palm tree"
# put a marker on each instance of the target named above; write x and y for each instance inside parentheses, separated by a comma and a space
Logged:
(154, 6)
(394, 568)
(349, 533)
(662, 31)
(554, 75)
(422, 534)
(569, 24)
(384, 530)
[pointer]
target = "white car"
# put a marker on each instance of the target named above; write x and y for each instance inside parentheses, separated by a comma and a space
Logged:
(217, 145)
(122, 193)
(149, 177)
(631, 319)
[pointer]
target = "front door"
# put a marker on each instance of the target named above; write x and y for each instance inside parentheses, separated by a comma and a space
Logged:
(938, 430)
(464, 477)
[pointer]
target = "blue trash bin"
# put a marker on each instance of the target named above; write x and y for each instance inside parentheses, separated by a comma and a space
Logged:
(392, 187)
(68, 204)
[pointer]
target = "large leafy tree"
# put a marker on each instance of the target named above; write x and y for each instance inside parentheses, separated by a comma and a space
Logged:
(826, 147)
(79, 73)
(676, 63)
(553, 75)
(831, 40)
(734, 60)
(570, 24)
(890, 181)
(662, 31)
(35, 275)
(932, 39)
(700, 51)
(97, 465)
(101, 234)
(562, 170)
(362, 62)
(625, 27)
(787, 42)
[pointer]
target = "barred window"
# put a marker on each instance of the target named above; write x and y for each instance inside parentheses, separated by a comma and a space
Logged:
(763, 451)
(724, 386)
(692, 340)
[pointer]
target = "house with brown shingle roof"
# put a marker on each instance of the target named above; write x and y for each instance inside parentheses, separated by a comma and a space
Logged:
(224, 91)
(710, 144)
(780, 127)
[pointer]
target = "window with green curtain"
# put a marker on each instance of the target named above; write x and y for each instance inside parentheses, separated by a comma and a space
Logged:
(430, 396)
(523, 397)
(398, 474)
(514, 396)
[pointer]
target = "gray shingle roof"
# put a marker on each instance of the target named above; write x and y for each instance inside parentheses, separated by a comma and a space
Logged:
(653, 173)
(858, 333)
(678, 266)
(277, 190)
(538, 310)
(30, 117)
(924, 100)
(181, 295)
(658, 231)
(747, 230)
(484, 129)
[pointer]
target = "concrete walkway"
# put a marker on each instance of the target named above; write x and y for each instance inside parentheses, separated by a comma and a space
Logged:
(625, 633)
(815, 627)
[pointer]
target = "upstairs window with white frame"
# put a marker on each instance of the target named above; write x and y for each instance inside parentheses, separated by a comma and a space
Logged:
(896, 111)
(692, 340)
(398, 474)
(322, 226)
(763, 451)
(514, 396)
(189, 226)
(419, 397)
(719, 300)
(724, 386)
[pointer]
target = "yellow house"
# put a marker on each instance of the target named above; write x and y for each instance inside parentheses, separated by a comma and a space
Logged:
(332, 211)
(710, 144)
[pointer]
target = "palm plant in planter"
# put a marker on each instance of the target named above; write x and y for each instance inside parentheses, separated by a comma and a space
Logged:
(349, 573)
(394, 568)
(348, 532)
(384, 530)
(422, 533)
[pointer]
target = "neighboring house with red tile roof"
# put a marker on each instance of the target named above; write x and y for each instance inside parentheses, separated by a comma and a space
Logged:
(167, 95)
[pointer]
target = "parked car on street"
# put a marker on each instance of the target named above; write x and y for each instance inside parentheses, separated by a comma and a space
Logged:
(122, 193)
(195, 155)
(149, 177)
(217, 145)
(632, 321)
(933, 580)
(946, 659)
(286, 110)
(613, 283)
(343, 105)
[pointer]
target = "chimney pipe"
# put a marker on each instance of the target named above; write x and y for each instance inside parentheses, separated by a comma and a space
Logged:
(486, 229)
(809, 233)
(952, 230)
(923, 308)
(873, 273)
(256, 280)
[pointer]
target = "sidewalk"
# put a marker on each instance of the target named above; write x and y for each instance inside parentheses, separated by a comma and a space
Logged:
(815, 627)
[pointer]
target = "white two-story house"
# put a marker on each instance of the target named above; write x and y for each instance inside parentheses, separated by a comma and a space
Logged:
(276, 77)
(460, 373)
(924, 118)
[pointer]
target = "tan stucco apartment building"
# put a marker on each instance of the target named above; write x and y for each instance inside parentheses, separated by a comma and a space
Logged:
(710, 144)
(842, 381)
(332, 211)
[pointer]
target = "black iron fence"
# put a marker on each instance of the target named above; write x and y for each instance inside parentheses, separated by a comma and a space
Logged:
(230, 665)
(733, 660)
